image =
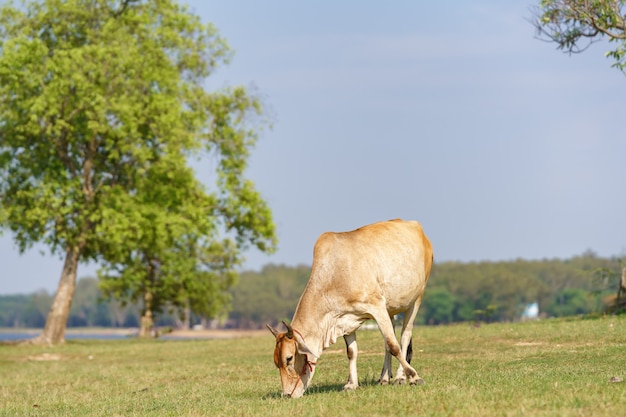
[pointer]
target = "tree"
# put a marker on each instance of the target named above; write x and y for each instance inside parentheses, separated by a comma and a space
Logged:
(575, 24)
(102, 105)
(438, 306)
(570, 302)
(176, 260)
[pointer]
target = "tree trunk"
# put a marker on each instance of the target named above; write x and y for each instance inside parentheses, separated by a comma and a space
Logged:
(147, 322)
(56, 321)
(187, 317)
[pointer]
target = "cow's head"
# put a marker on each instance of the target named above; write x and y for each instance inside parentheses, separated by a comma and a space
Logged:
(294, 360)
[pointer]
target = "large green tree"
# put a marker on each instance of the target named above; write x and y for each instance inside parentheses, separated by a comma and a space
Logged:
(102, 105)
(575, 24)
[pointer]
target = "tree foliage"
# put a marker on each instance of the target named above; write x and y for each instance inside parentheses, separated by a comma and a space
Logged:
(102, 106)
(575, 24)
(570, 302)
(440, 307)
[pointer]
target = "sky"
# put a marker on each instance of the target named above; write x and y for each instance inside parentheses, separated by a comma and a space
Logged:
(459, 117)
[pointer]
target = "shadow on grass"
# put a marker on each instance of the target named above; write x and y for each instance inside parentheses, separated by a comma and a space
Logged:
(315, 390)
(323, 389)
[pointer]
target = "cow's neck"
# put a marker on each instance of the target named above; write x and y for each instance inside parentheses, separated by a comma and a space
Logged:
(313, 332)
(321, 327)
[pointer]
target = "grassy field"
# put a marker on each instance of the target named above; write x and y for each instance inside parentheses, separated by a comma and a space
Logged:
(546, 368)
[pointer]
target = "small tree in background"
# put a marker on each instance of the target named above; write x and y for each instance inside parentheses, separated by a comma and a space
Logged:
(575, 24)
(102, 103)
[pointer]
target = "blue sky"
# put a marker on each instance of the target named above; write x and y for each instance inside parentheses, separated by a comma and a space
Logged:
(500, 145)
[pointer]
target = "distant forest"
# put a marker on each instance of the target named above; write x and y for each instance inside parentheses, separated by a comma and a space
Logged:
(481, 291)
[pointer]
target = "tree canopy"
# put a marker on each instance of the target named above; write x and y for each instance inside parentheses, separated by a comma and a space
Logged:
(575, 24)
(102, 107)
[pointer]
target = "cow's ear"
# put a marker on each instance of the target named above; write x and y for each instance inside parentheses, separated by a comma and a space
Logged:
(273, 330)
(303, 349)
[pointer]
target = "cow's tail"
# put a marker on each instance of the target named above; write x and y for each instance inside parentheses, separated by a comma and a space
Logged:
(409, 351)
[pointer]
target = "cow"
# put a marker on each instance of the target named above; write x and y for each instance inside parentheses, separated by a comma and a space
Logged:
(374, 272)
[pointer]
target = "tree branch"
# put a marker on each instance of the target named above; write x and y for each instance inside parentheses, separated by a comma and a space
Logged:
(123, 7)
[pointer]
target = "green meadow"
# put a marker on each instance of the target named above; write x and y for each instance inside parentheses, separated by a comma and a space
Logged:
(542, 368)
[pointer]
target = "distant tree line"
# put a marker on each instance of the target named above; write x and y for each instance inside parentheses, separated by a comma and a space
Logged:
(456, 292)
(500, 291)
(89, 309)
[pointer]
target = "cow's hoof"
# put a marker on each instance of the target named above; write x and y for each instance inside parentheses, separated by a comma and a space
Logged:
(350, 387)
(383, 382)
(399, 381)
(418, 381)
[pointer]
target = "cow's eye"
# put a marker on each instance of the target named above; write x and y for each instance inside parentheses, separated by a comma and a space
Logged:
(288, 360)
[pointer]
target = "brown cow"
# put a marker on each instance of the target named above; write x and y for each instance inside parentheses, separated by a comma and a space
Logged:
(374, 272)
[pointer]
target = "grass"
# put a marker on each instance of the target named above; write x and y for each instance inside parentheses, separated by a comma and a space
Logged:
(546, 368)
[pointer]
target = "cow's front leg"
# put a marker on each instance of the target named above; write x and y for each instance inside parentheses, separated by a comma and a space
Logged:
(352, 352)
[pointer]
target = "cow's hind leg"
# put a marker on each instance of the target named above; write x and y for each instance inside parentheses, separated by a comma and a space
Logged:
(386, 328)
(407, 343)
(385, 375)
(352, 351)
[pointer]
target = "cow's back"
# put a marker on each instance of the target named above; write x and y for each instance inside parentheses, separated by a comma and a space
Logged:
(389, 259)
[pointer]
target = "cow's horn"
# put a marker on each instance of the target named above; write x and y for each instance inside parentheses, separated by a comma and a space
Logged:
(289, 330)
(271, 329)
